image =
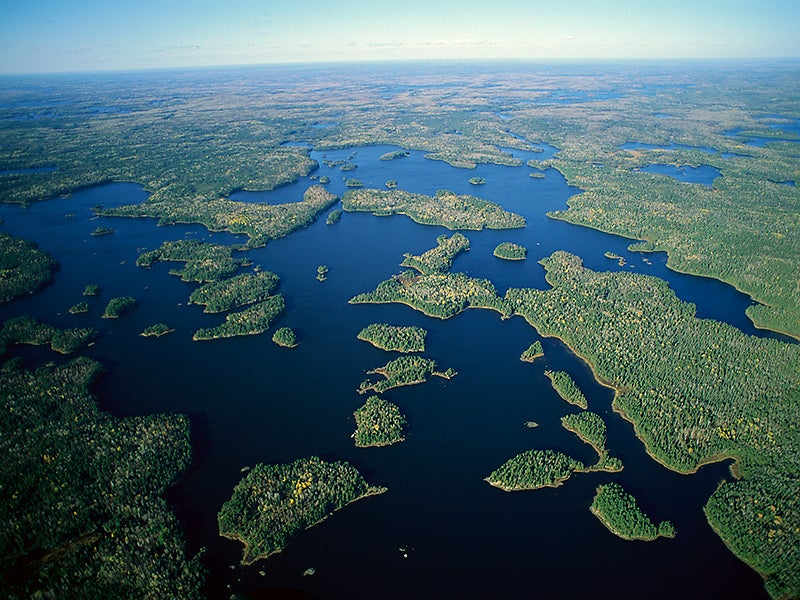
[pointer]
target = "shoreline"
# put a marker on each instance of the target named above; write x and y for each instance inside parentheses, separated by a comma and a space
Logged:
(371, 491)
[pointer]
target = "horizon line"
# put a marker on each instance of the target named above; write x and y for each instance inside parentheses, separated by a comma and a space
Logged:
(408, 61)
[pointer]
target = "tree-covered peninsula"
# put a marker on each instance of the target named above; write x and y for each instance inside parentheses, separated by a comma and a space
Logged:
(260, 222)
(378, 423)
(445, 208)
(403, 370)
(233, 292)
(621, 515)
(696, 391)
(27, 330)
(394, 338)
(203, 261)
(438, 259)
(273, 503)
(81, 493)
(23, 267)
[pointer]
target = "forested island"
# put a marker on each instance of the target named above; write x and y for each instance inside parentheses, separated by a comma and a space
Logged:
(394, 338)
(117, 307)
(403, 370)
(532, 352)
(445, 208)
(204, 262)
(273, 503)
(621, 515)
(378, 423)
(156, 330)
(510, 251)
(534, 469)
(256, 318)
(234, 292)
(567, 388)
(285, 337)
(591, 428)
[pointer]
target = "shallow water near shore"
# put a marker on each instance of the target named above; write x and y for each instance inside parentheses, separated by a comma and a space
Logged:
(439, 531)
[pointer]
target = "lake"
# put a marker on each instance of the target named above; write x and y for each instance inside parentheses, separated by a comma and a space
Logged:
(251, 401)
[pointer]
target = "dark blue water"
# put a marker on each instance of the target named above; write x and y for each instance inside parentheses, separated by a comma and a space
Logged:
(251, 401)
(787, 129)
(702, 174)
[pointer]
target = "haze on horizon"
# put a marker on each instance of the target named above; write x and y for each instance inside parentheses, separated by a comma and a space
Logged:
(88, 35)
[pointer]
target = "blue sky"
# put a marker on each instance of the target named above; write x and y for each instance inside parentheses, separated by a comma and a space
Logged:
(80, 35)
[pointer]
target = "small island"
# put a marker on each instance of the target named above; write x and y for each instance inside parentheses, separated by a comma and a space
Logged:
(620, 513)
(535, 469)
(391, 184)
(273, 503)
(91, 290)
(403, 370)
(156, 330)
(566, 387)
(394, 338)
(533, 352)
(477, 180)
(322, 272)
(102, 231)
(285, 337)
(79, 308)
(334, 216)
(510, 251)
(378, 423)
(394, 154)
(117, 307)
(352, 182)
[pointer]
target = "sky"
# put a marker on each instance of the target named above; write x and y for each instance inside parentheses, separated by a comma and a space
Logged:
(89, 35)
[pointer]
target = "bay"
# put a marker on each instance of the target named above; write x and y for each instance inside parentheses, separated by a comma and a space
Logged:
(251, 401)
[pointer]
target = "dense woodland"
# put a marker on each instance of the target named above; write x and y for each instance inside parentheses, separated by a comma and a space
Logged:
(696, 391)
(99, 528)
(534, 469)
(27, 330)
(273, 503)
(285, 337)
